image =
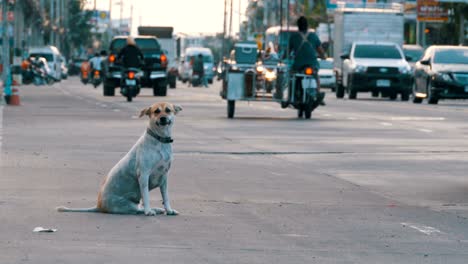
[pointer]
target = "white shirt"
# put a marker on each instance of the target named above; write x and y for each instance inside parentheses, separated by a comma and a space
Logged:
(95, 63)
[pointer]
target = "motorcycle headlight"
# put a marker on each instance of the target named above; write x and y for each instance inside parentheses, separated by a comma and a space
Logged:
(270, 75)
(360, 68)
(260, 68)
(405, 69)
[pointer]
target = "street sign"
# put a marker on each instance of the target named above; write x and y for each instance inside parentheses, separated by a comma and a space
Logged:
(431, 11)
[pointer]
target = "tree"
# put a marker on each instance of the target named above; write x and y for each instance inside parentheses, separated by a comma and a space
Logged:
(79, 30)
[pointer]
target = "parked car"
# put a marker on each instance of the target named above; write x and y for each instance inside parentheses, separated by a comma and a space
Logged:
(185, 68)
(63, 68)
(74, 66)
(376, 67)
(326, 75)
(442, 73)
(413, 53)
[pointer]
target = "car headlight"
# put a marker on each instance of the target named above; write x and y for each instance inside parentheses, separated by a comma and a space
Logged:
(445, 76)
(360, 68)
(405, 69)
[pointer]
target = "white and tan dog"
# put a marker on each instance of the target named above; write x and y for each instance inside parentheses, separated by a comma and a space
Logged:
(142, 169)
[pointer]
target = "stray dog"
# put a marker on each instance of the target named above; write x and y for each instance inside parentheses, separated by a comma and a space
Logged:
(142, 169)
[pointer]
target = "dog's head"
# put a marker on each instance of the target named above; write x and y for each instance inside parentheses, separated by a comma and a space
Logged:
(161, 115)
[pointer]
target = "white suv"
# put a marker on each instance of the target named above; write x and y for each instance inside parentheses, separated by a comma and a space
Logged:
(376, 67)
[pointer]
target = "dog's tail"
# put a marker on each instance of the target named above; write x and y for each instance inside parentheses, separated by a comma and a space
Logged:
(82, 210)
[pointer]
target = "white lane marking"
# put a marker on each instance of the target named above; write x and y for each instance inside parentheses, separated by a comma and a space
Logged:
(116, 110)
(326, 115)
(416, 118)
(352, 118)
(294, 235)
(386, 124)
(428, 230)
(425, 130)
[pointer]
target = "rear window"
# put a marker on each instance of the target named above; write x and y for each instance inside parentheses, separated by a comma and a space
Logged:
(324, 64)
(49, 57)
(376, 52)
(455, 56)
(143, 44)
(207, 58)
(414, 54)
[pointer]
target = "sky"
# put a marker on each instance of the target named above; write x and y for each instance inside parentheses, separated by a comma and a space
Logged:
(186, 16)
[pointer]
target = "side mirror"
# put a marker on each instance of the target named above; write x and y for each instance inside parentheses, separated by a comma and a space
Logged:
(408, 58)
(425, 62)
(344, 56)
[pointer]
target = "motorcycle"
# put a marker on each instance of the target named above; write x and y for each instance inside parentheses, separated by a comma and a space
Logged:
(40, 76)
(304, 94)
(130, 83)
(96, 79)
(84, 72)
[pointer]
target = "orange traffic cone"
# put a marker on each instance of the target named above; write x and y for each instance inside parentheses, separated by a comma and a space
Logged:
(14, 99)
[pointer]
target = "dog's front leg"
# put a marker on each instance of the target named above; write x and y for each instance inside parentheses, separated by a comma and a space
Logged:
(165, 197)
(143, 181)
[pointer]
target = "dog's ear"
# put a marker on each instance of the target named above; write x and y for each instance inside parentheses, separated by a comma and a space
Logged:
(177, 109)
(145, 111)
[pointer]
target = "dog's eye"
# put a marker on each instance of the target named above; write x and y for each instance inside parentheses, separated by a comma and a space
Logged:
(157, 111)
(168, 110)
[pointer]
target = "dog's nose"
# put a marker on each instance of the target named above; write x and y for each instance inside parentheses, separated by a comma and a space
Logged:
(163, 120)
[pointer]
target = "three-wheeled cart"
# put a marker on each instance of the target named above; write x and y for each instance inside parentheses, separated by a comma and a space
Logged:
(249, 80)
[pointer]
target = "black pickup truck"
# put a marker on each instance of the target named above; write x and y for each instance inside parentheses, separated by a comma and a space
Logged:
(153, 68)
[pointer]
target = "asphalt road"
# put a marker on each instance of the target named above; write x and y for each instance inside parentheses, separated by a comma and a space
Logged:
(363, 181)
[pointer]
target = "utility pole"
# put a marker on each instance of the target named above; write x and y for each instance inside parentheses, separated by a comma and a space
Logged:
(224, 31)
(7, 39)
(240, 24)
(109, 29)
(120, 21)
(230, 20)
(51, 22)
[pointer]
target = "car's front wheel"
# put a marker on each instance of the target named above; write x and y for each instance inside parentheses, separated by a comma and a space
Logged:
(159, 88)
(432, 98)
(108, 90)
(416, 100)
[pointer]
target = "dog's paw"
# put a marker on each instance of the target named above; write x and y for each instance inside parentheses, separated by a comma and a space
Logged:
(150, 212)
(171, 212)
(159, 210)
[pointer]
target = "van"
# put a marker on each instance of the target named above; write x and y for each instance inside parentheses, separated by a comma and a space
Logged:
(53, 57)
(185, 71)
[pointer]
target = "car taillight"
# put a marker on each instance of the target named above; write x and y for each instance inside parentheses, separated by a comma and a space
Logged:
(131, 75)
(112, 58)
(309, 71)
(163, 59)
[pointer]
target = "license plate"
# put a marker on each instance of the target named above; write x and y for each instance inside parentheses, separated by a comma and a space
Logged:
(308, 83)
(383, 83)
(130, 82)
(466, 89)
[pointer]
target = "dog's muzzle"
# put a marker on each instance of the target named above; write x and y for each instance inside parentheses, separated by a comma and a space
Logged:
(163, 121)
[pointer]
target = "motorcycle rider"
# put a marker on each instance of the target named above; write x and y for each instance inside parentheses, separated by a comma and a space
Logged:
(131, 57)
(199, 68)
(305, 47)
(95, 62)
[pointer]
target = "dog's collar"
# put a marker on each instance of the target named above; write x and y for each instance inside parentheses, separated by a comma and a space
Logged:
(159, 138)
